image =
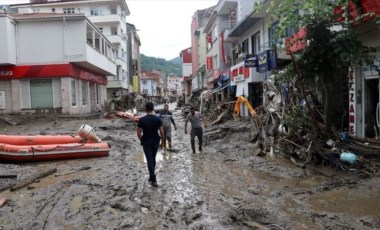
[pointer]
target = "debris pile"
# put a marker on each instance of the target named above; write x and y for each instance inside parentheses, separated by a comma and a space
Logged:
(294, 128)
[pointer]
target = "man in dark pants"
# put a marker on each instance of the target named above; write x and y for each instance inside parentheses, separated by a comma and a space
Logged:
(147, 131)
(167, 121)
(195, 119)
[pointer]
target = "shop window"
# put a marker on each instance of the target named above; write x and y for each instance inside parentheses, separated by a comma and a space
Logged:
(73, 93)
(84, 92)
(41, 93)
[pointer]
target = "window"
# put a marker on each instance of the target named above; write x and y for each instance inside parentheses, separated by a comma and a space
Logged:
(101, 29)
(73, 93)
(53, 10)
(273, 39)
(97, 89)
(113, 11)
(255, 39)
(245, 46)
(96, 12)
(69, 10)
(41, 93)
(84, 92)
(215, 62)
(144, 82)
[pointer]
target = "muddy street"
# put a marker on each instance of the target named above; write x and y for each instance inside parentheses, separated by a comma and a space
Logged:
(223, 187)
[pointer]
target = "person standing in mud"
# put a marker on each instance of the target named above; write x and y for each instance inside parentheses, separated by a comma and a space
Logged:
(147, 131)
(167, 121)
(195, 119)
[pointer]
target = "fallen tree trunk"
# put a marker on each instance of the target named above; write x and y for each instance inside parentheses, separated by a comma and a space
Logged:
(32, 178)
(74, 171)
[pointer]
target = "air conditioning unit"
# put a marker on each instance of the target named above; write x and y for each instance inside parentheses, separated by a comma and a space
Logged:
(115, 93)
(242, 55)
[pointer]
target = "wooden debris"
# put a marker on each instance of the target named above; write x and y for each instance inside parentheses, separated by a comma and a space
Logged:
(8, 176)
(219, 118)
(2, 201)
(32, 178)
(74, 171)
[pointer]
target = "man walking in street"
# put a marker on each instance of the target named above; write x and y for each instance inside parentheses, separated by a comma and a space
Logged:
(147, 131)
(195, 119)
(167, 121)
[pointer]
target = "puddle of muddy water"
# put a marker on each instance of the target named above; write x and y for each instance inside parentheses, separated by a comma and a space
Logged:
(352, 202)
(159, 157)
(75, 204)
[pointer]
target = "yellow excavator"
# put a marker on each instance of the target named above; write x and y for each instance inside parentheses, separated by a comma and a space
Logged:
(240, 100)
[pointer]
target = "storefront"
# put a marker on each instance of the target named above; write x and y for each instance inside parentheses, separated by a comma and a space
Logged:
(59, 88)
(364, 92)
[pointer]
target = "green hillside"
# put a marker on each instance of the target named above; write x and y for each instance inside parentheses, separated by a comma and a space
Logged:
(160, 64)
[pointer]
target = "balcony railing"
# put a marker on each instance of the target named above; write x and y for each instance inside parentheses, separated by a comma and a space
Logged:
(228, 24)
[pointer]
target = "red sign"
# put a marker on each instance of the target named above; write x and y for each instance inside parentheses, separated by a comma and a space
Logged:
(352, 103)
(296, 42)
(50, 71)
(209, 62)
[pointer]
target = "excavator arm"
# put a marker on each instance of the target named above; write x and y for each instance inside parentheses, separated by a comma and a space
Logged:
(240, 100)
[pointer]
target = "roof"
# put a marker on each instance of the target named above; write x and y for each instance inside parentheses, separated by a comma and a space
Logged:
(150, 75)
(41, 2)
(43, 15)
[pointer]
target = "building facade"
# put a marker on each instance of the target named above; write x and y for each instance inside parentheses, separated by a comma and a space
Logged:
(150, 85)
(110, 18)
(186, 58)
(134, 64)
(53, 63)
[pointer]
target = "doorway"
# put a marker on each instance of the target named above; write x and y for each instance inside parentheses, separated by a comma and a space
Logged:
(372, 107)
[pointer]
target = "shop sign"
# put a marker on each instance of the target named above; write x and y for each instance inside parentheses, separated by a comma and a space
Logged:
(352, 104)
(2, 99)
(266, 61)
(250, 61)
(209, 63)
(239, 72)
(135, 83)
(239, 78)
(6, 73)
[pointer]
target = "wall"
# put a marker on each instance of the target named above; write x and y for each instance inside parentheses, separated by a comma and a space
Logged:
(47, 42)
(7, 41)
(5, 86)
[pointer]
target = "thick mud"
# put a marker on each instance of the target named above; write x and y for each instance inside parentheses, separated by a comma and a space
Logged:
(223, 187)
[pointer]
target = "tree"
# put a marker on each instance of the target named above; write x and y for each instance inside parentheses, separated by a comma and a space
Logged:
(333, 47)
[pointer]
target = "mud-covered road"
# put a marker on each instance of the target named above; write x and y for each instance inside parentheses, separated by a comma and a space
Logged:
(224, 187)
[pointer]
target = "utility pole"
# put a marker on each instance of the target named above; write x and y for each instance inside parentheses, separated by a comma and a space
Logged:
(166, 86)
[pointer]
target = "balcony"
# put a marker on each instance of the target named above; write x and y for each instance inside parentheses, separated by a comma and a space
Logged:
(95, 61)
(110, 18)
(117, 84)
(224, 6)
(115, 39)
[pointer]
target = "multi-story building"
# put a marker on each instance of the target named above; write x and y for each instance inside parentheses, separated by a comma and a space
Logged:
(186, 73)
(134, 64)
(109, 16)
(198, 47)
(150, 85)
(174, 86)
(237, 35)
(53, 63)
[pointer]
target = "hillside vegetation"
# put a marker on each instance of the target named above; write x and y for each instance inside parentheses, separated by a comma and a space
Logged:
(160, 64)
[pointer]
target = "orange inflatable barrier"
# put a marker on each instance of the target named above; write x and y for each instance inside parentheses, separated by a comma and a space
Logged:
(39, 139)
(18, 153)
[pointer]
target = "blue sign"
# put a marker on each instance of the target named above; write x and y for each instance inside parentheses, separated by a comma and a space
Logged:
(266, 61)
(250, 61)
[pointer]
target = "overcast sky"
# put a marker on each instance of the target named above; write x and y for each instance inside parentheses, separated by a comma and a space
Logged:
(164, 25)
